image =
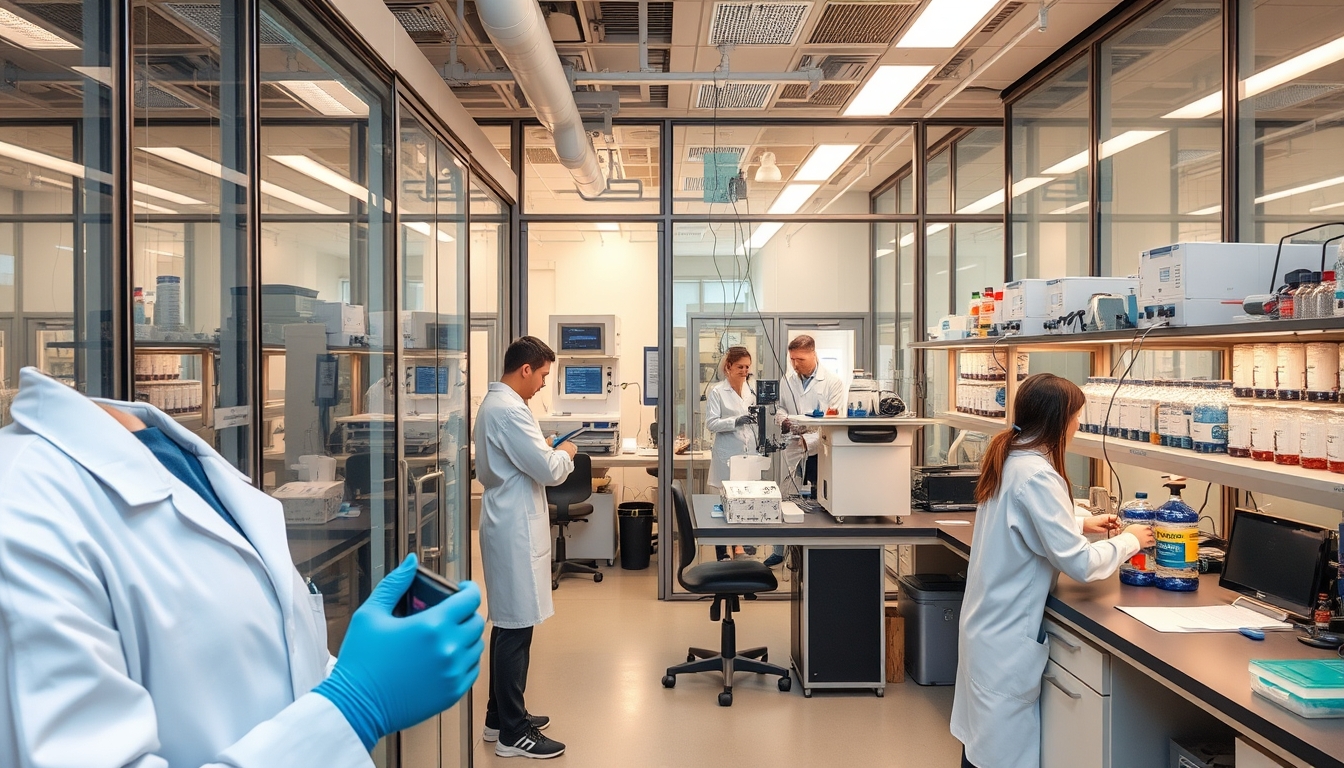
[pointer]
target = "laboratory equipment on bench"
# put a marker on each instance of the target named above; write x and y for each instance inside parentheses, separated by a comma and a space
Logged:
(751, 501)
(1027, 306)
(1068, 299)
(863, 464)
(944, 489)
(1276, 564)
(586, 335)
(1206, 283)
(587, 393)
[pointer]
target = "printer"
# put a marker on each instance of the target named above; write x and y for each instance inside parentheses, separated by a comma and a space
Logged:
(944, 488)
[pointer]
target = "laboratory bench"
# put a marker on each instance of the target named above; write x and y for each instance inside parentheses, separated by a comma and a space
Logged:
(1141, 682)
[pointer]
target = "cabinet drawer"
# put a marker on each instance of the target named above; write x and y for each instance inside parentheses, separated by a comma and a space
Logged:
(1075, 722)
(1078, 656)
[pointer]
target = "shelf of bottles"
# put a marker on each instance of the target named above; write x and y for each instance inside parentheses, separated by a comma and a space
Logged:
(159, 381)
(982, 381)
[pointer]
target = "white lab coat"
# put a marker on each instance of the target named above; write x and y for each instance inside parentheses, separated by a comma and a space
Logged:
(826, 391)
(515, 464)
(1023, 538)
(723, 406)
(137, 628)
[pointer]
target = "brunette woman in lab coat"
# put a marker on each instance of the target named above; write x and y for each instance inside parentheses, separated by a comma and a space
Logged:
(1025, 535)
(727, 417)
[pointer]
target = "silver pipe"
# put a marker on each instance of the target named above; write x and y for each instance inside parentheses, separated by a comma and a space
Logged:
(809, 75)
(643, 35)
(519, 33)
(1008, 46)
(461, 26)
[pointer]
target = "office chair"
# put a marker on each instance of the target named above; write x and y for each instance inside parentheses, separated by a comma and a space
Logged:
(568, 504)
(727, 582)
(359, 474)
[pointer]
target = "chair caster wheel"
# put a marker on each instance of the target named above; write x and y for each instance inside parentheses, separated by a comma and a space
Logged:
(669, 681)
(880, 692)
(807, 693)
(725, 699)
(690, 657)
(785, 683)
(610, 563)
(597, 578)
(555, 585)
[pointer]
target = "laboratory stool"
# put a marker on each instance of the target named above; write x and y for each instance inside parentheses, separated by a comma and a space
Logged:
(728, 582)
(568, 504)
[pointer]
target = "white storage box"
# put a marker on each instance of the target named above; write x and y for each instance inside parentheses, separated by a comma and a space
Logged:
(310, 503)
(1070, 294)
(344, 319)
(1205, 283)
(751, 501)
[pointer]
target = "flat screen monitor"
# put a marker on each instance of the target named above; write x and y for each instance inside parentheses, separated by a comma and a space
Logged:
(581, 380)
(431, 380)
(1276, 561)
(581, 338)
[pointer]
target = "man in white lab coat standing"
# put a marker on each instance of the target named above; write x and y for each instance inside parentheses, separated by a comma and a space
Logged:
(515, 464)
(808, 387)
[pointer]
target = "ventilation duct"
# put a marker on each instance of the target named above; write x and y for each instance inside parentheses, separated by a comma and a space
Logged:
(519, 32)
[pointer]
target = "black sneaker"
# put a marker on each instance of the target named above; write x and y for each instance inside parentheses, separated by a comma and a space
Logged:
(530, 744)
(540, 722)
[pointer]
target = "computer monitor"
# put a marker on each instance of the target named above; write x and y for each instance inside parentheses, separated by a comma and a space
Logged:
(1276, 561)
(582, 338)
(582, 382)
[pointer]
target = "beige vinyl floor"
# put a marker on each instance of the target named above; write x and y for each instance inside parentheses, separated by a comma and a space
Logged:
(596, 671)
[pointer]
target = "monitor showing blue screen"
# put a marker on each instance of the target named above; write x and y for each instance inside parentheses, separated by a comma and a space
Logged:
(583, 380)
(581, 338)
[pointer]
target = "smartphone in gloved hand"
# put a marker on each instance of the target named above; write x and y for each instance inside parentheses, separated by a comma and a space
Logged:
(427, 589)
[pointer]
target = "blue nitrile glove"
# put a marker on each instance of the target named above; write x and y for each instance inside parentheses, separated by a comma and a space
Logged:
(394, 672)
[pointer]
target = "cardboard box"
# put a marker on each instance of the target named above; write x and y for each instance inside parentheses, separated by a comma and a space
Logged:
(312, 503)
(751, 501)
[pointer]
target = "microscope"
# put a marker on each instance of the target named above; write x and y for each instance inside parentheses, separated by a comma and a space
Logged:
(768, 437)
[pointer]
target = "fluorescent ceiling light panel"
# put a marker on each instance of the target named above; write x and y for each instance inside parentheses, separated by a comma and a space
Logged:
(423, 228)
(1299, 190)
(26, 34)
(315, 170)
(761, 236)
(1068, 165)
(1031, 182)
(824, 161)
(984, 203)
(1125, 141)
(164, 194)
(54, 182)
(157, 252)
(1329, 207)
(1279, 74)
(908, 239)
(886, 89)
(1206, 211)
(41, 159)
(152, 208)
(211, 168)
(327, 97)
(793, 197)
(884, 252)
(945, 22)
(100, 74)
(1070, 209)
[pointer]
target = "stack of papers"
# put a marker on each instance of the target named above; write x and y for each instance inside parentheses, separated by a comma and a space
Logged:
(1203, 618)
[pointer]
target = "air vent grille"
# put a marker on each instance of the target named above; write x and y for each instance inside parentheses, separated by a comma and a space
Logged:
(635, 155)
(950, 68)
(828, 95)
(999, 19)
(620, 22)
(1292, 95)
(658, 95)
(541, 156)
(150, 27)
(734, 96)
(697, 154)
(424, 22)
(1171, 26)
(693, 184)
(924, 93)
(153, 97)
(862, 23)
(479, 96)
(839, 67)
(205, 17)
(757, 23)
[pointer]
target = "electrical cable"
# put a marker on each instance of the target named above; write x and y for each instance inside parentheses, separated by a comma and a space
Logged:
(1105, 422)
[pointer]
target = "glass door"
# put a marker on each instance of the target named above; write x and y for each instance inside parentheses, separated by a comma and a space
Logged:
(842, 342)
(433, 382)
(52, 345)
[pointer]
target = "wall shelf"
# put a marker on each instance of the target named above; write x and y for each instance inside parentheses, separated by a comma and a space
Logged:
(1331, 329)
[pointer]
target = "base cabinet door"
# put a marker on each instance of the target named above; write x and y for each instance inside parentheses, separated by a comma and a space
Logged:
(1075, 722)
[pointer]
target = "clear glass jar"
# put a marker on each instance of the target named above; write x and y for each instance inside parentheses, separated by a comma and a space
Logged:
(1322, 371)
(1243, 370)
(1288, 436)
(1314, 446)
(1291, 371)
(1239, 430)
(1334, 445)
(1262, 433)
(1265, 371)
(1208, 419)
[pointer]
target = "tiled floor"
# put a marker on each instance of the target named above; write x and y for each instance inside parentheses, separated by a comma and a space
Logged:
(596, 667)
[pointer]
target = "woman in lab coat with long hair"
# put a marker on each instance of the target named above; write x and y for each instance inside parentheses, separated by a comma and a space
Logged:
(728, 418)
(1025, 535)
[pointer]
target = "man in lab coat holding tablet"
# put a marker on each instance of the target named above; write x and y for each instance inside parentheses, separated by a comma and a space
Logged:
(515, 464)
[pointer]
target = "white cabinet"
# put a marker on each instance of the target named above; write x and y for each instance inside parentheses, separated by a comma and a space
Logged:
(594, 539)
(1075, 722)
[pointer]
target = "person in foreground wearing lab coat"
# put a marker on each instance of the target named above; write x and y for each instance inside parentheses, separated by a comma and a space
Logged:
(151, 616)
(808, 387)
(515, 463)
(1025, 535)
(728, 419)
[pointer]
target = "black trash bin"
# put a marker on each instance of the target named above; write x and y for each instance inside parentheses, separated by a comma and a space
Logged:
(636, 521)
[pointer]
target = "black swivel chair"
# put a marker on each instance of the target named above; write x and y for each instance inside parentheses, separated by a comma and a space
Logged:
(568, 504)
(728, 582)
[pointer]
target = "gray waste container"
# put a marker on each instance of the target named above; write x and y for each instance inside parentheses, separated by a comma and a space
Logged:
(931, 607)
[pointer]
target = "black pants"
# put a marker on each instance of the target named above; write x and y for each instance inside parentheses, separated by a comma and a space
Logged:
(510, 654)
(810, 474)
(964, 762)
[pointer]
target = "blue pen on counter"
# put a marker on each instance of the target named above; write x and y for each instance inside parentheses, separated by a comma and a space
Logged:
(1251, 632)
